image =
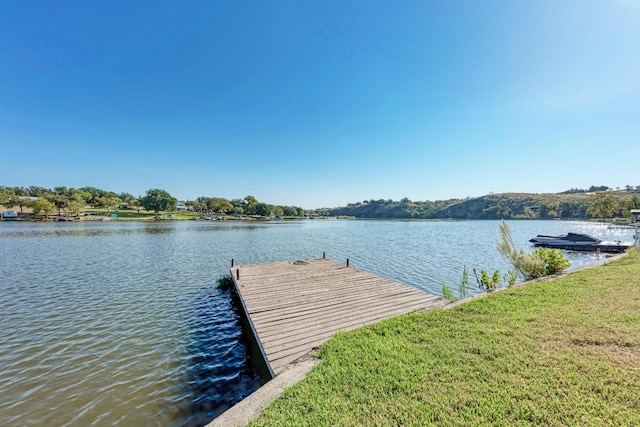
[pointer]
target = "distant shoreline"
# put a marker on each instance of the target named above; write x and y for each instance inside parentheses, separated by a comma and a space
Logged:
(168, 217)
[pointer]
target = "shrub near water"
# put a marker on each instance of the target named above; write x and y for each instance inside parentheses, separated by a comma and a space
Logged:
(552, 259)
(529, 266)
(487, 283)
(542, 262)
(447, 293)
(225, 282)
(463, 287)
(561, 352)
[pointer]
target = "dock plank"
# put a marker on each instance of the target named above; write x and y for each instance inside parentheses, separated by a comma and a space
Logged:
(294, 306)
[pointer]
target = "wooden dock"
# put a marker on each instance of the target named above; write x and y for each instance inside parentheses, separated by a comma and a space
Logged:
(294, 306)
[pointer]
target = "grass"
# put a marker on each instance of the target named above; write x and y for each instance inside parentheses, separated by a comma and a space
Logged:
(122, 214)
(559, 352)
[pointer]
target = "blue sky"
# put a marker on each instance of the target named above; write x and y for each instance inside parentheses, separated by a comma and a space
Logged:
(320, 103)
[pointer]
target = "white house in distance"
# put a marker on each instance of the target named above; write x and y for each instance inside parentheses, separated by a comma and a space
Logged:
(181, 206)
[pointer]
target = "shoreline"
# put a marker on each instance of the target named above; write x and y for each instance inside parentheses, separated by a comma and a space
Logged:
(250, 408)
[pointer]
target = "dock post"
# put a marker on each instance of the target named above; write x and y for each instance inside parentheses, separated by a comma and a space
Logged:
(324, 255)
(347, 262)
(231, 262)
(237, 274)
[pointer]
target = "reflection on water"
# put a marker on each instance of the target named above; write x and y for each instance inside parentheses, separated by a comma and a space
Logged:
(90, 229)
(121, 323)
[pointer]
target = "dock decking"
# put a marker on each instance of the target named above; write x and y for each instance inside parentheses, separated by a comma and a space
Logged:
(294, 306)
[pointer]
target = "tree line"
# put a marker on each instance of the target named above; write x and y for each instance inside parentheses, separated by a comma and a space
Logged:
(574, 205)
(61, 199)
(72, 201)
(246, 206)
(571, 204)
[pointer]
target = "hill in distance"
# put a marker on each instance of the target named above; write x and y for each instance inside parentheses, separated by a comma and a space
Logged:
(571, 204)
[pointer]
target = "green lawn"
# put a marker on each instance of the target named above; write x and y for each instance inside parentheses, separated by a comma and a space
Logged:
(554, 353)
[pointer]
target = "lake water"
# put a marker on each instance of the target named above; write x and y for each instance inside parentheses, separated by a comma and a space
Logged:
(106, 323)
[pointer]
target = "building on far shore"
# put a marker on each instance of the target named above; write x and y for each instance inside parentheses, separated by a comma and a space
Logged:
(9, 215)
(181, 206)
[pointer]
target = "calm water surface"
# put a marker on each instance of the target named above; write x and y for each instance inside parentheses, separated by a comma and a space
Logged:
(121, 323)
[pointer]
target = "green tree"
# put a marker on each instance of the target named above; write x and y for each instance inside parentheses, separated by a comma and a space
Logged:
(107, 202)
(158, 200)
(5, 194)
(9, 198)
(573, 208)
(196, 205)
(12, 200)
(129, 199)
(60, 202)
(219, 204)
(42, 206)
(263, 209)
(83, 195)
(633, 202)
(75, 204)
(278, 211)
(529, 213)
(61, 191)
(249, 205)
(20, 191)
(290, 210)
(35, 191)
(601, 204)
(24, 202)
(92, 194)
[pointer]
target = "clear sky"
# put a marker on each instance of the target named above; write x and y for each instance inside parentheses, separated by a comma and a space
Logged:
(320, 103)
